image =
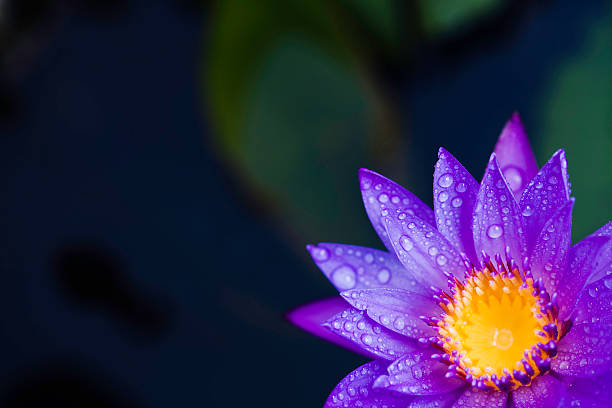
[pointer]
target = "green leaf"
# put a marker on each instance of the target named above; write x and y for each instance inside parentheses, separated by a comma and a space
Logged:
(443, 16)
(578, 117)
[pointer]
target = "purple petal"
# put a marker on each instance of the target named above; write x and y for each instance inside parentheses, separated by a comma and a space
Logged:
(354, 267)
(544, 392)
(515, 156)
(550, 253)
(604, 266)
(588, 393)
(582, 258)
(497, 220)
(595, 301)
(605, 231)
(436, 401)
(355, 390)
(546, 193)
(422, 249)
(310, 317)
(396, 309)
(364, 333)
(585, 351)
(418, 374)
(455, 193)
(380, 193)
(474, 398)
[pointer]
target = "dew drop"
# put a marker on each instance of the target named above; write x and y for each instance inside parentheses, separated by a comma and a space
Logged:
(369, 258)
(399, 323)
(461, 187)
(514, 177)
(441, 260)
(383, 198)
(443, 196)
(457, 201)
(406, 242)
(528, 211)
(383, 275)
(417, 372)
(446, 180)
(608, 283)
(367, 339)
(320, 254)
(344, 277)
(366, 183)
(495, 231)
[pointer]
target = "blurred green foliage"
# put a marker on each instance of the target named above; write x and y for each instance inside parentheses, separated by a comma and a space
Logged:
(443, 16)
(298, 104)
(577, 110)
(294, 107)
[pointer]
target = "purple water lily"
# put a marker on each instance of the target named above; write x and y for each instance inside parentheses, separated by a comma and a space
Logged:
(482, 302)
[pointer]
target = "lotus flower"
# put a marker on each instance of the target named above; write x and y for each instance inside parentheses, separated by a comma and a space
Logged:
(482, 302)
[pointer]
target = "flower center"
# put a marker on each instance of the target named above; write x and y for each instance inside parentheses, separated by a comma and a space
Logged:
(499, 328)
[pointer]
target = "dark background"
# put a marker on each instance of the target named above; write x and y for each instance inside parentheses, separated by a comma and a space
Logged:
(163, 164)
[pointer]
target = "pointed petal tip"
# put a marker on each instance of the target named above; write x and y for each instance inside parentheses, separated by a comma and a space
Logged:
(346, 294)
(493, 159)
(364, 172)
(516, 117)
(514, 127)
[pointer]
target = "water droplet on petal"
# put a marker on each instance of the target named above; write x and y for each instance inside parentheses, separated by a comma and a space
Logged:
(384, 275)
(608, 283)
(443, 196)
(383, 198)
(461, 187)
(446, 180)
(366, 339)
(320, 254)
(495, 231)
(528, 211)
(344, 277)
(441, 260)
(514, 177)
(457, 201)
(406, 242)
